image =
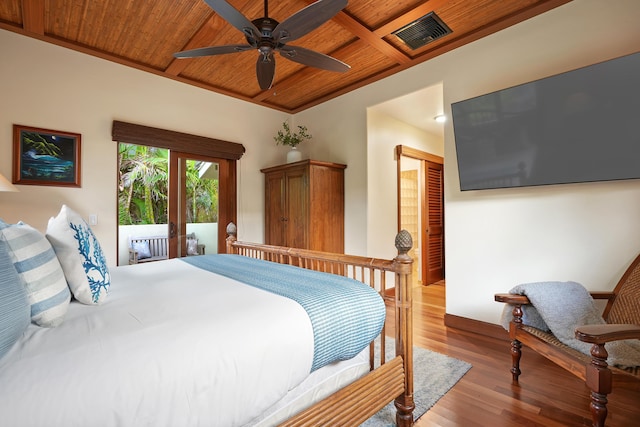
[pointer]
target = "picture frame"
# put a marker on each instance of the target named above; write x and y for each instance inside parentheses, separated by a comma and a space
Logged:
(46, 157)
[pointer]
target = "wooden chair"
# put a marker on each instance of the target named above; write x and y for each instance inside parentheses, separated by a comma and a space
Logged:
(622, 314)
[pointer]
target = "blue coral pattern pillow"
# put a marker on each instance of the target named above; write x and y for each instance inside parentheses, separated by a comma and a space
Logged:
(39, 271)
(80, 255)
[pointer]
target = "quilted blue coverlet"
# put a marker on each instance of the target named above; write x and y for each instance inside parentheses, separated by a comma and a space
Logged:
(346, 315)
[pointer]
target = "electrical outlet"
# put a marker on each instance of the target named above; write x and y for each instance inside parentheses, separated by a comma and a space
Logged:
(93, 219)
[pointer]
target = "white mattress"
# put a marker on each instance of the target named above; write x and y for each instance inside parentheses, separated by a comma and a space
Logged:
(164, 350)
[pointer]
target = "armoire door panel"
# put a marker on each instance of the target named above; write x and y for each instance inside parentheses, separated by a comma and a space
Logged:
(275, 209)
(297, 204)
(327, 195)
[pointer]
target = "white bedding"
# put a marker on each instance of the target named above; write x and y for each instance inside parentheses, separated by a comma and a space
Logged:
(151, 355)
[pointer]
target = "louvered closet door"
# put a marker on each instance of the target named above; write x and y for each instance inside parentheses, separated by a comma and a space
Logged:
(434, 218)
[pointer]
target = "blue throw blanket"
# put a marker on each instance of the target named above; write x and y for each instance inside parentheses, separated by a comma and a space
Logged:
(560, 307)
(346, 315)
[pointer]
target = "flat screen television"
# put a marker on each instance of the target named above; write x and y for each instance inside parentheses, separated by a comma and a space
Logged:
(578, 126)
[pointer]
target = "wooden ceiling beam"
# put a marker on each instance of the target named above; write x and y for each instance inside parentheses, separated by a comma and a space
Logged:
(375, 41)
(33, 16)
(372, 38)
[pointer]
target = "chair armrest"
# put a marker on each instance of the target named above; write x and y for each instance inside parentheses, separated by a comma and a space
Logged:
(522, 299)
(600, 334)
(133, 256)
(602, 295)
(512, 299)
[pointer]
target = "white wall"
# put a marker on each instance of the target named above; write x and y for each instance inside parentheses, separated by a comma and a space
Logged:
(384, 134)
(583, 232)
(499, 238)
(494, 239)
(47, 86)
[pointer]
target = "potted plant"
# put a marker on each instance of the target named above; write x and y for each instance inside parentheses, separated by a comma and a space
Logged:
(292, 139)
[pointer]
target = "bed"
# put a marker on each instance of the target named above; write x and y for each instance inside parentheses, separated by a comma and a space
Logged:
(222, 340)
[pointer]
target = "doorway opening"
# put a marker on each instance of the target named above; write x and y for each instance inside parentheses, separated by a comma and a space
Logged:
(147, 194)
(421, 210)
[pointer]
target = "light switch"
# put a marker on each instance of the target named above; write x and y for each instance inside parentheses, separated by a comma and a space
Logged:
(93, 219)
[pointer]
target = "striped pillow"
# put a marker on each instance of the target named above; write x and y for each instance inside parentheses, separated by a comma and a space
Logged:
(40, 271)
(14, 307)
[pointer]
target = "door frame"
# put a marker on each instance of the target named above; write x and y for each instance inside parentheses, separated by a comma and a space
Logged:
(227, 153)
(403, 150)
(227, 205)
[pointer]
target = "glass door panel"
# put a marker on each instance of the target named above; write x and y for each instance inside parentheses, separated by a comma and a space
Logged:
(142, 201)
(193, 205)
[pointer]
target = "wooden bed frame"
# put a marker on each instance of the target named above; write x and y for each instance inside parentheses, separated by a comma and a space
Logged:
(360, 400)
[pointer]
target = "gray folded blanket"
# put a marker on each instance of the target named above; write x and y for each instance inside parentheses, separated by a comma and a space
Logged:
(559, 308)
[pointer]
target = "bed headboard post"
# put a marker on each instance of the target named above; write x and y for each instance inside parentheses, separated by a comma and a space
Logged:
(404, 332)
(232, 236)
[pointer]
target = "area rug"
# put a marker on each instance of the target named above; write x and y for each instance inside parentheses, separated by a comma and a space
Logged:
(433, 375)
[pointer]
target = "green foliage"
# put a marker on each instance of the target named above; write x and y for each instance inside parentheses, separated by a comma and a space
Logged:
(143, 188)
(292, 139)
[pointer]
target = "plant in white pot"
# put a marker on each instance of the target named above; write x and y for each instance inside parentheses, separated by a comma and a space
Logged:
(292, 139)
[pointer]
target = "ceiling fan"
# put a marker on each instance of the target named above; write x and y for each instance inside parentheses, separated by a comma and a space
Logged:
(269, 36)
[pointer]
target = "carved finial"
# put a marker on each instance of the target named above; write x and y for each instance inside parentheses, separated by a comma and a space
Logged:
(232, 230)
(404, 242)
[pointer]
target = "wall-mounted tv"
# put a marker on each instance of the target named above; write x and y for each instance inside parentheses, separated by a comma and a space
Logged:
(579, 126)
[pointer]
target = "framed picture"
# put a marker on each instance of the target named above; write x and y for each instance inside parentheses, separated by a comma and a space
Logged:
(45, 157)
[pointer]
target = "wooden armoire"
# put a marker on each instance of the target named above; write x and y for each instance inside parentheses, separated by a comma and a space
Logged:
(304, 205)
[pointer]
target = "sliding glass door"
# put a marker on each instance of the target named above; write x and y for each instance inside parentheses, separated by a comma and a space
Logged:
(174, 200)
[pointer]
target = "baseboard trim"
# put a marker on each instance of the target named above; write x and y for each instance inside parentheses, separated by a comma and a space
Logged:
(476, 326)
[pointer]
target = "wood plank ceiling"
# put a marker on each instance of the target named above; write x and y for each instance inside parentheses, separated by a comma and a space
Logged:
(144, 34)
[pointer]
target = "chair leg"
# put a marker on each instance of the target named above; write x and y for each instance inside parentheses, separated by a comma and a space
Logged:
(516, 354)
(598, 407)
(600, 381)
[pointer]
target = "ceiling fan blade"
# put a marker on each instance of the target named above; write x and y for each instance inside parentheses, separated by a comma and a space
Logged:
(234, 17)
(307, 19)
(313, 59)
(266, 70)
(213, 50)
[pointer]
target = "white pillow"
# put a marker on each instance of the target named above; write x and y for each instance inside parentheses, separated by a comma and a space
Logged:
(143, 250)
(40, 272)
(192, 246)
(80, 255)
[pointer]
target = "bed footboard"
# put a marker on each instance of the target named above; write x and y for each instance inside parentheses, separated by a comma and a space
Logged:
(393, 379)
(368, 395)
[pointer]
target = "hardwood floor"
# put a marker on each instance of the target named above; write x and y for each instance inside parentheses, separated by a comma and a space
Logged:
(548, 396)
